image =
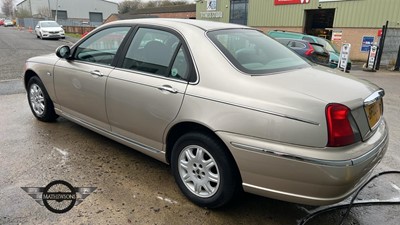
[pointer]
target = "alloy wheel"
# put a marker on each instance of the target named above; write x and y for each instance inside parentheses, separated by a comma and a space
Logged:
(199, 171)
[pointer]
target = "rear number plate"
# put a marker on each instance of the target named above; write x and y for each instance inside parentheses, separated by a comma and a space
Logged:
(374, 112)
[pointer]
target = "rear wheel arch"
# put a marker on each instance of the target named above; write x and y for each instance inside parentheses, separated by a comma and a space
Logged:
(202, 165)
(190, 127)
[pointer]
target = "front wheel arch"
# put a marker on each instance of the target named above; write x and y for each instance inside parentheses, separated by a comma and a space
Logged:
(41, 105)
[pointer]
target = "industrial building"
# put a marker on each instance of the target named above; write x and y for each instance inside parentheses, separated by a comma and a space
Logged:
(91, 11)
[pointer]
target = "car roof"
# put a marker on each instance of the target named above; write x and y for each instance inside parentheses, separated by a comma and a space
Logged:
(177, 23)
(293, 39)
(45, 21)
(291, 34)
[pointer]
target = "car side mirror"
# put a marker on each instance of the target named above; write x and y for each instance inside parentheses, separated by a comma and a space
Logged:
(61, 26)
(63, 52)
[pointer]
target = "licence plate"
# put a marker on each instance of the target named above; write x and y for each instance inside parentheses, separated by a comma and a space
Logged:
(374, 112)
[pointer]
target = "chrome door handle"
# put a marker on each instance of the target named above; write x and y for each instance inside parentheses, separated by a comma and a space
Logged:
(96, 73)
(168, 88)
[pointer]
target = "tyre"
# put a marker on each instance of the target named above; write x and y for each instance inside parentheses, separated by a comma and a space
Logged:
(204, 170)
(39, 101)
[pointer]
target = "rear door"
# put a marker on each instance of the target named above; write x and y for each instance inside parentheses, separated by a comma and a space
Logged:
(144, 94)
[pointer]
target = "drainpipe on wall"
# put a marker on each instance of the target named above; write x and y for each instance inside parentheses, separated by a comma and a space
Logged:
(56, 11)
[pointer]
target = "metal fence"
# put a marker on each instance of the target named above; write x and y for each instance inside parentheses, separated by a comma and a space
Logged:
(391, 47)
(31, 22)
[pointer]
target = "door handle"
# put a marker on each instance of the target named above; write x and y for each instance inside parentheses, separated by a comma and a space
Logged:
(96, 73)
(168, 88)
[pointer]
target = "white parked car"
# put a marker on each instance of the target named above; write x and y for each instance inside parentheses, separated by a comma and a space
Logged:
(8, 23)
(49, 29)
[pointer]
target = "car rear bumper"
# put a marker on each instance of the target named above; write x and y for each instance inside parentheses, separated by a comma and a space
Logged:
(305, 175)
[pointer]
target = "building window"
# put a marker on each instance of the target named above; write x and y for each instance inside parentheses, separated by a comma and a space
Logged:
(61, 14)
(238, 12)
(96, 17)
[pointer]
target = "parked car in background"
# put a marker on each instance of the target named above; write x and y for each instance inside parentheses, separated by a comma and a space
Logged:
(1, 22)
(333, 52)
(229, 108)
(8, 23)
(312, 51)
(49, 29)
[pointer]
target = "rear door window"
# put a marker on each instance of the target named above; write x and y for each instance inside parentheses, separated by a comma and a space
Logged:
(157, 52)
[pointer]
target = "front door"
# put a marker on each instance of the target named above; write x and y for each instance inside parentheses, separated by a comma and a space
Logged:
(80, 82)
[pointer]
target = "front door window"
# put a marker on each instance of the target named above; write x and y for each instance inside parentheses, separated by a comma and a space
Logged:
(102, 47)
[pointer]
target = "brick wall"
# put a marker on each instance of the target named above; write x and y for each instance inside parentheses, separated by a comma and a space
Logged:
(354, 37)
(111, 18)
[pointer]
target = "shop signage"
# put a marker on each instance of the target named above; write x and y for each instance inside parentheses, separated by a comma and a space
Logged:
(211, 5)
(337, 35)
(291, 2)
(344, 56)
(372, 55)
(367, 42)
(380, 33)
(217, 14)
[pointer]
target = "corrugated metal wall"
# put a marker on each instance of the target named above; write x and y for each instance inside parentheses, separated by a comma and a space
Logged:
(365, 13)
(265, 13)
(348, 13)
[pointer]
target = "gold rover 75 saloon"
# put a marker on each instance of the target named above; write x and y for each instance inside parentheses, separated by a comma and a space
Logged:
(229, 108)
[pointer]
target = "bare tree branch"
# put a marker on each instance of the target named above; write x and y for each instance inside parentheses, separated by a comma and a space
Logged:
(8, 7)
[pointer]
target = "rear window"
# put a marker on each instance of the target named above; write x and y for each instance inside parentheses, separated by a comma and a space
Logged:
(318, 48)
(254, 52)
(327, 45)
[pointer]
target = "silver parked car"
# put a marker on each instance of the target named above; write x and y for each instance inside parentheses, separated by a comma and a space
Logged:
(229, 108)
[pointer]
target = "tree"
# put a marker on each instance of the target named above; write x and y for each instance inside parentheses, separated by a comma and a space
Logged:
(132, 5)
(7, 8)
(129, 5)
(23, 13)
(44, 11)
(152, 4)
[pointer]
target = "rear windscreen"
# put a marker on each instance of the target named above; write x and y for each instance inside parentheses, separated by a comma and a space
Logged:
(254, 52)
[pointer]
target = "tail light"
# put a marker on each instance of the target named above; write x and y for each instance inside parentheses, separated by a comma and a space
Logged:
(342, 129)
(310, 50)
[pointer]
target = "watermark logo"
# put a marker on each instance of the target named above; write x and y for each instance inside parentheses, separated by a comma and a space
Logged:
(59, 196)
